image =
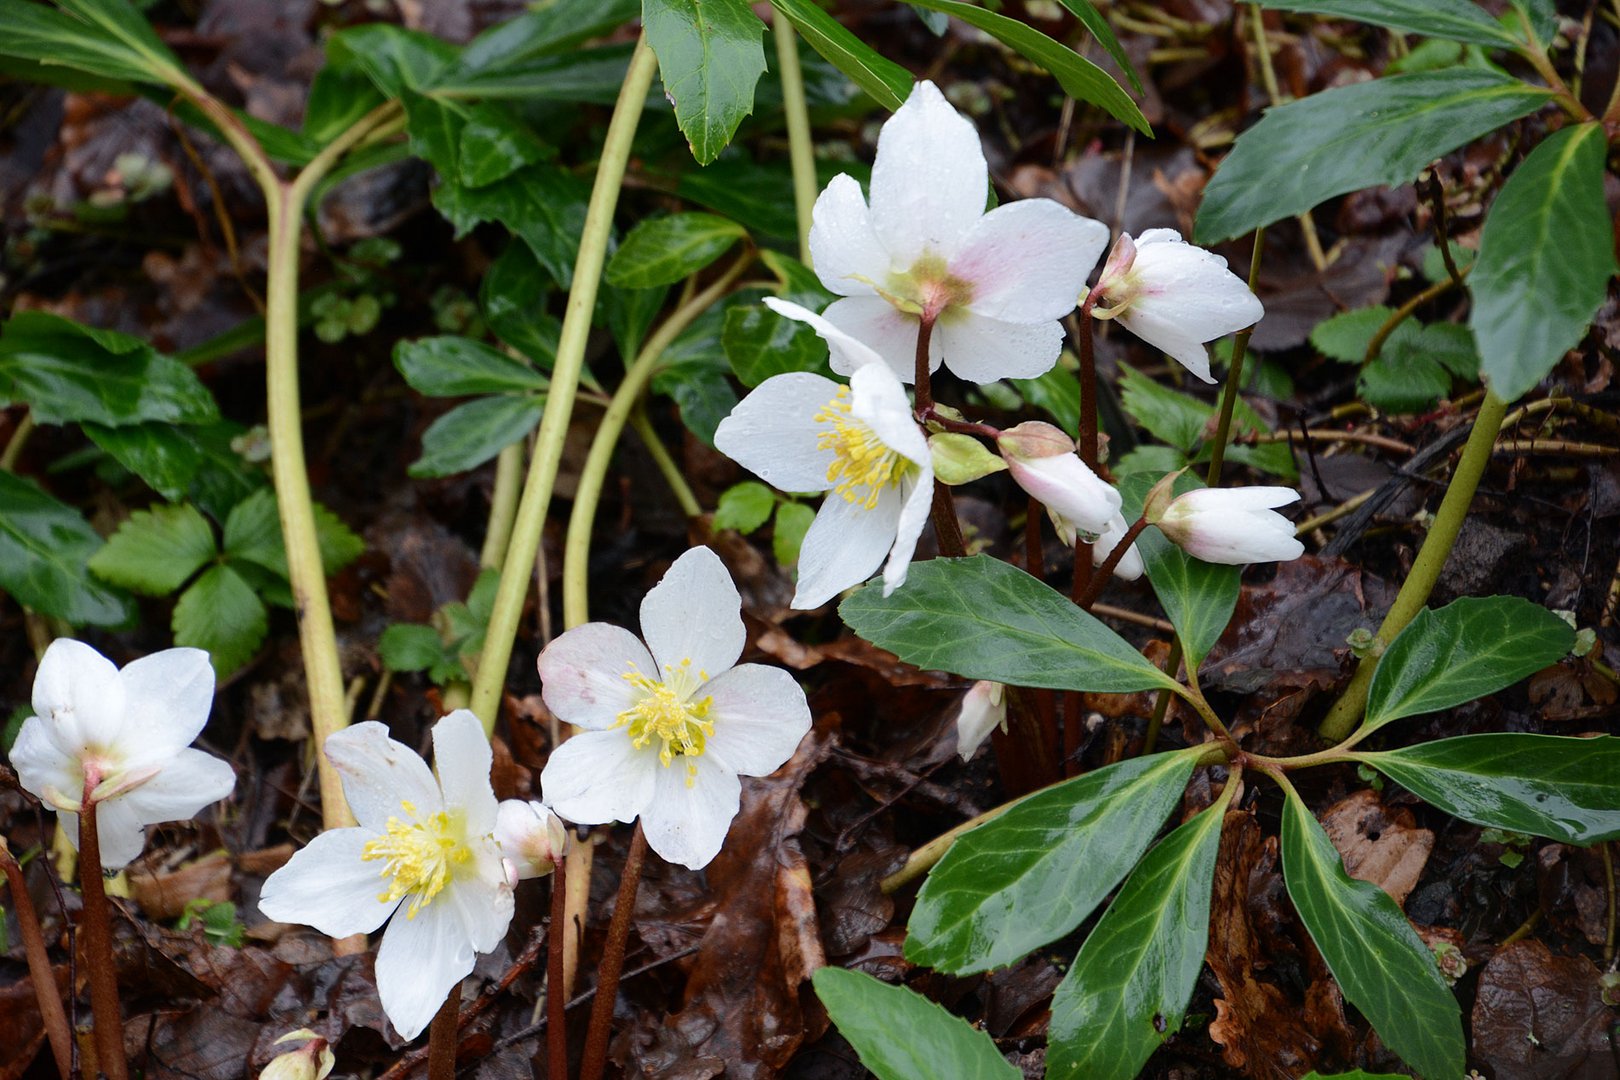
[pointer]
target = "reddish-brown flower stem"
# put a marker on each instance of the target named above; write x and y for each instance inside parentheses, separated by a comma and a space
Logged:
(1088, 385)
(442, 1037)
(923, 377)
(1100, 580)
(960, 427)
(607, 972)
(39, 966)
(96, 937)
(556, 995)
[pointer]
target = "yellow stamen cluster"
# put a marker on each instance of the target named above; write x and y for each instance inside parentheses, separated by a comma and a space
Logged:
(667, 712)
(862, 465)
(419, 855)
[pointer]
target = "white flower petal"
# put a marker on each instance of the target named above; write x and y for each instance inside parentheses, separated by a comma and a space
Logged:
(691, 811)
(1129, 567)
(1161, 329)
(889, 332)
(119, 833)
(530, 836)
(462, 758)
(168, 696)
(42, 767)
(78, 690)
(984, 708)
(919, 500)
(419, 962)
(845, 249)
(845, 352)
(694, 614)
(482, 897)
(188, 781)
(380, 775)
(1179, 296)
(844, 546)
(328, 885)
(582, 674)
(1028, 260)
(597, 776)
(929, 180)
(982, 350)
(760, 716)
(773, 431)
(1259, 497)
(878, 399)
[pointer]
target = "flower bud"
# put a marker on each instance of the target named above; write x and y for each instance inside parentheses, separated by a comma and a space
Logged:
(984, 708)
(531, 837)
(1130, 566)
(1159, 497)
(312, 1061)
(1042, 460)
(1233, 525)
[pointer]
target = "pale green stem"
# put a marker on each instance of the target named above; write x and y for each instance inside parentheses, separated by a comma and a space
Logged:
(502, 506)
(14, 446)
(671, 472)
(531, 513)
(1431, 558)
(577, 547)
(801, 153)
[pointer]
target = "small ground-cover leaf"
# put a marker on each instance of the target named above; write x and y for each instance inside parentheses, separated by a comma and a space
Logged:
(156, 550)
(222, 613)
(44, 546)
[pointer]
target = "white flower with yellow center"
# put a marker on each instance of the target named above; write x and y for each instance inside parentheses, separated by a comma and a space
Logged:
(129, 732)
(858, 443)
(670, 725)
(423, 852)
(996, 283)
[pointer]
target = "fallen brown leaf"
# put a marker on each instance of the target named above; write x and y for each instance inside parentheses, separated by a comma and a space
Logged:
(1379, 844)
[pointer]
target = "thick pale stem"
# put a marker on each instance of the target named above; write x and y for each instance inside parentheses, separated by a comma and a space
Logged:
(801, 154)
(1431, 559)
(95, 935)
(502, 506)
(443, 1037)
(46, 993)
(531, 514)
(608, 971)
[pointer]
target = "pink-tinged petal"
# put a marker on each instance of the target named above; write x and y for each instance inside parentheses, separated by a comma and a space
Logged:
(582, 674)
(760, 716)
(462, 758)
(693, 616)
(1178, 297)
(119, 833)
(188, 781)
(78, 690)
(691, 811)
(420, 961)
(1233, 525)
(914, 510)
(845, 353)
(929, 180)
(597, 777)
(773, 431)
(844, 546)
(1028, 260)
(327, 884)
(380, 775)
(531, 837)
(845, 249)
(982, 350)
(878, 400)
(167, 696)
(43, 769)
(888, 331)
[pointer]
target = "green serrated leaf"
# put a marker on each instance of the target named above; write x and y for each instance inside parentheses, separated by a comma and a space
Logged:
(543, 204)
(410, 647)
(156, 550)
(1352, 137)
(710, 56)
(1128, 988)
(1402, 380)
(665, 250)
(456, 366)
(901, 1035)
(470, 434)
(1545, 258)
(744, 507)
(221, 613)
(884, 81)
(1540, 785)
(1380, 963)
(793, 520)
(1184, 422)
(253, 535)
(44, 548)
(1457, 20)
(1346, 336)
(760, 343)
(1056, 393)
(982, 618)
(1450, 345)
(1465, 650)
(1033, 874)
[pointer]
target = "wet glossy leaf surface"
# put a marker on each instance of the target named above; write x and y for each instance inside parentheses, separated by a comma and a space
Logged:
(901, 1035)
(1457, 20)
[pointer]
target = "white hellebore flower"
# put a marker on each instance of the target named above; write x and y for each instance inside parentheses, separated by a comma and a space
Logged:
(1042, 459)
(1174, 296)
(668, 731)
(1129, 567)
(1231, 525)
(532, 838)
(859, 443)
(997, 283)
(423, 852)
(984, 708)
(129, 733)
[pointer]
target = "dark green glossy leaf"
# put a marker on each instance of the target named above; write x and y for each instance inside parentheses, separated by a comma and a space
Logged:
(710, 56)
(221, 613)
(1542, 785)
(630, 313)
(1380, 963)
(1352, 137)
(1457, 20)
(1199, 597)
(559, 27)
(395, 59)
(456, 366)
(901, 1035)
(469, 435)
(664, 250)
(1465, 650)
(760, 343)
(1128, 988)
(982, 618)
(695, 373)
(54, 38)
(1545, 259)
(1093, 20)
(68, 372)
(886, 82)
(44, 546)
(156, 550)
(1183, 421)
(495, 144)
(1057, 393)
(184, 462)
(338, 97)
(591, 76)
(1079, 77)
(1033, 874)
(540, 203)
(750, 192)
